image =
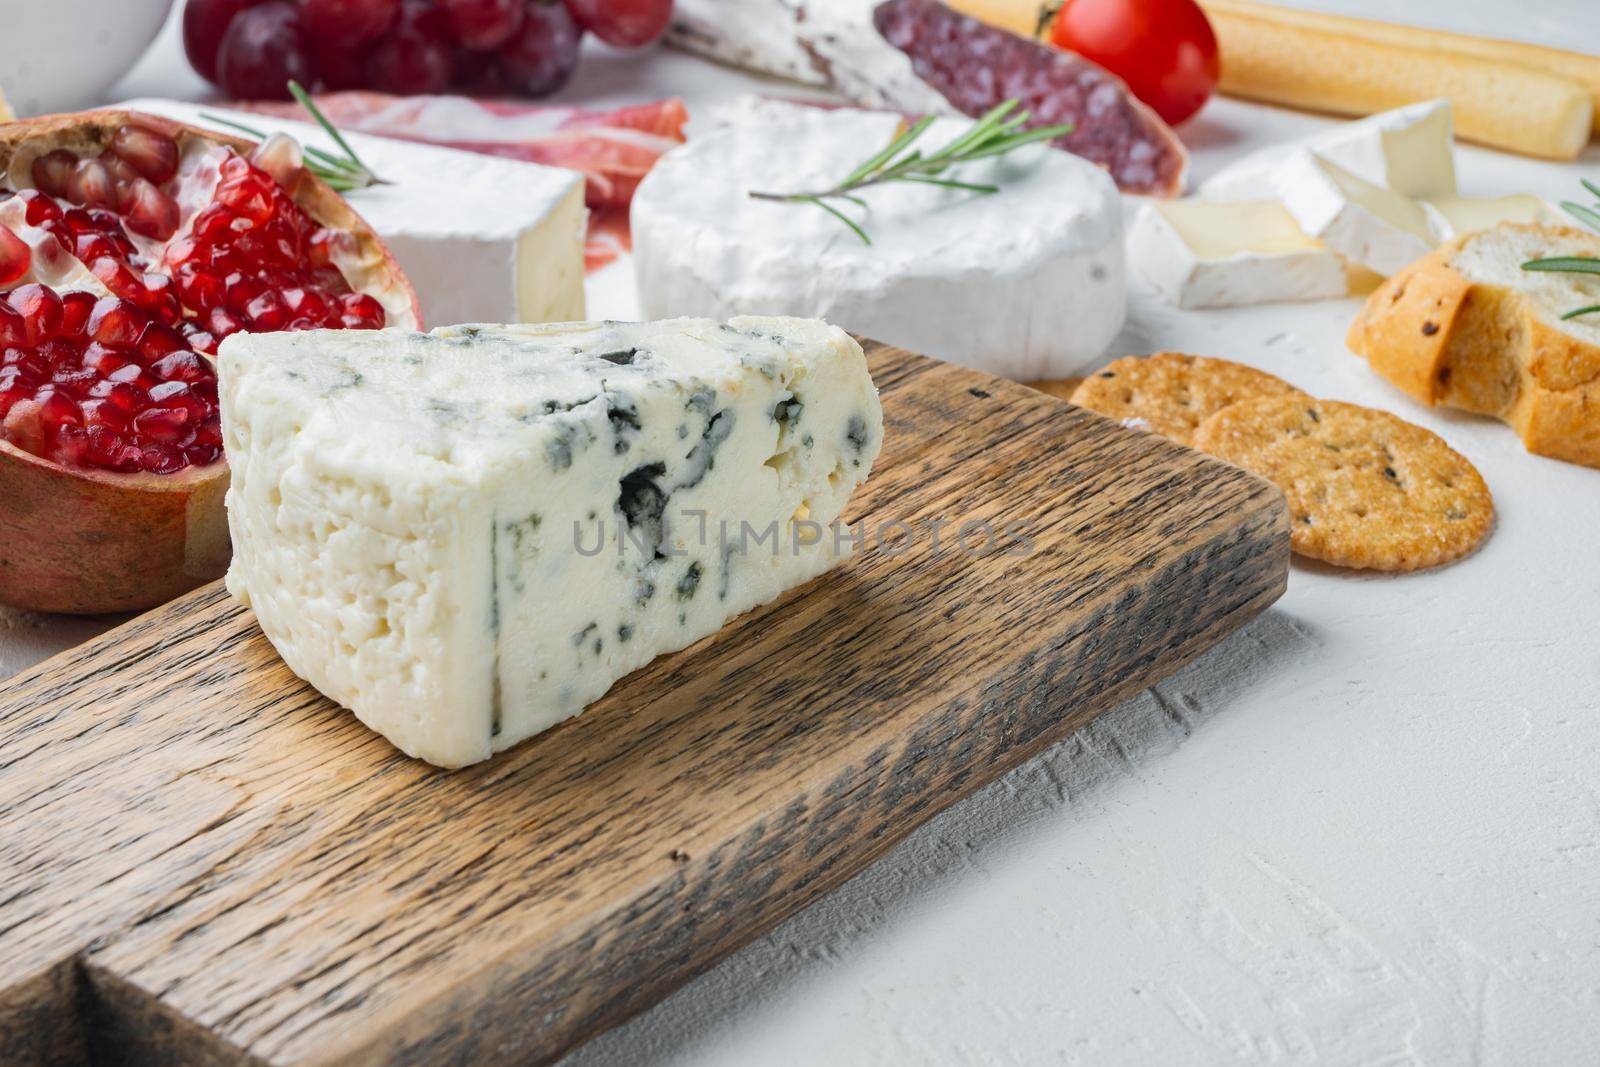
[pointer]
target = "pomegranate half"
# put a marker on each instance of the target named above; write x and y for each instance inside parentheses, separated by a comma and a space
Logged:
(130, 246)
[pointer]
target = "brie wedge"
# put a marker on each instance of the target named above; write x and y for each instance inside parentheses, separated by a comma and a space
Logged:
(468, 535)
(1408, 150)
(482, 239)
(1204, 254)
(1027, 283)
(1365, 223)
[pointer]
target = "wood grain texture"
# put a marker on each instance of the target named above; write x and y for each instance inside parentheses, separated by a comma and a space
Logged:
(206, 862)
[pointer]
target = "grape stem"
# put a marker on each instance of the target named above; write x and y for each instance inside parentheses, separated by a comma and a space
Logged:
(995, 134)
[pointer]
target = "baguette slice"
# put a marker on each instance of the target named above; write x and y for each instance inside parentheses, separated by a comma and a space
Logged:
(1467, 327)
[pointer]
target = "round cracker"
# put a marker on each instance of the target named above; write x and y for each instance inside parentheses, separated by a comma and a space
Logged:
(1365, 488)
(1174, 393)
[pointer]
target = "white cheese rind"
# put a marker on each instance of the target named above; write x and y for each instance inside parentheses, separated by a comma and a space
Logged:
(1026, 283)
(1365, 223)
(1254, 255)
(482, 239)
(469, 535)
(1409, 150)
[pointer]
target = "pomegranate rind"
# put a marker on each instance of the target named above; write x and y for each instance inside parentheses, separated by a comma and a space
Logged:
(371, 268)
(90, 542)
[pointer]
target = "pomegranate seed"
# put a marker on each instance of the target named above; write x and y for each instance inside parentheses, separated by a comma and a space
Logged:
(104, 360)
(212, 224)
(203, 341)
(222, 322)
(39, 208)
(280, 158)
(358, 311)
(248, 196)
(98, 411)
(154, 155)
(151, 213)
(13, 330)
(108, 449)
(75, 309)
(90, 184)
(125, 395)
(15, 256)
(242, 288)
(41, 311)
(53, 170)
(267, 313)
(170, 426)
(76, 383)
(305, 302)
(180, 367)
(202, 454)
(157, 342)
(68, 446)
(134, 375)
(118, 277)
(61, 352)
(116, 322)
(199, 288)
(91, 246)
(27, 364)
(161, 459)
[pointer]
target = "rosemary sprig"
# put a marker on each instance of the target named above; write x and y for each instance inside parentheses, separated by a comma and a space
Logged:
(1590, 217)
(344, 173)
(995, 134)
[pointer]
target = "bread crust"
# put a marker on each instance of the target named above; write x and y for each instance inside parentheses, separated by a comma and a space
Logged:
(1444, 339)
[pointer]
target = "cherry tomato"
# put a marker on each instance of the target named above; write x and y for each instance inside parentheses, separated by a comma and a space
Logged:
(1163, 49)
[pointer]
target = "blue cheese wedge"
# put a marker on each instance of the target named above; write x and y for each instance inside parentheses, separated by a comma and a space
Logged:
(468, 535)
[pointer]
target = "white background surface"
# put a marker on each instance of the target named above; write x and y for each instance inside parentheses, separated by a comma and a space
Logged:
(1366, 831)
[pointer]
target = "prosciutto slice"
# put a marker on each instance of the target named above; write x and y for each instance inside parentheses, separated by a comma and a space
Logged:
(614, 149)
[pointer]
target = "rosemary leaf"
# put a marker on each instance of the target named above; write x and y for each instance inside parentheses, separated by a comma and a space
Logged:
(1590, 310)
(1586, 215)
(1565, 264)
(997, 132)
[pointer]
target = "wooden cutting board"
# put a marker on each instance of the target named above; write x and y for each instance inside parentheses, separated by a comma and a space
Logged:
(205, 862)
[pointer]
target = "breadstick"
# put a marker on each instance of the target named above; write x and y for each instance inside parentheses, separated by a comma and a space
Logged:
(1575, 66)
(1497, 104)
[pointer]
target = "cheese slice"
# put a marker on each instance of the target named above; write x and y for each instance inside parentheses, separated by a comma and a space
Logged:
(1028, 282)
(1409, 150)
(468, 535)
(1368, 224)
(1450, 216)
(482, 239)
(1203, 254)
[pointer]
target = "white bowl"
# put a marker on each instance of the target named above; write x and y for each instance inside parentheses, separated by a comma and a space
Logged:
(62, 55)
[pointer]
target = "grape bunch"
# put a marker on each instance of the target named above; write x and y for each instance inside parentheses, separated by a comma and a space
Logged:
(253, 48)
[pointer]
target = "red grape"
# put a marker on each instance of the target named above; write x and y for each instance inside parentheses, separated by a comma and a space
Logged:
(261, 51)
(204, 23)
(542, 55)
(338, 68)
(624, 23)
(483, 25)
(347, 23)
(415, 56)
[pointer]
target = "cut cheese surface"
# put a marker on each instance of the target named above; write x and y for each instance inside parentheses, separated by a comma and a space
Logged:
(482, 239)
(1366, 223)
(1026, 284)
(1409, 150)
(1451, 216)
(467, 536)
(1228, 254)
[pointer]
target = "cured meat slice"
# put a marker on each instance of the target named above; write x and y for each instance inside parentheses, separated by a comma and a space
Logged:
(614, 149)
(919, 56)
(976, 66)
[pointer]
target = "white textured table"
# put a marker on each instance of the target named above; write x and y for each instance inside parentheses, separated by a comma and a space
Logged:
(1365, 831)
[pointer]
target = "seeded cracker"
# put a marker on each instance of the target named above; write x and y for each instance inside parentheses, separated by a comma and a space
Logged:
(1174, 393)
(1365, 489)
